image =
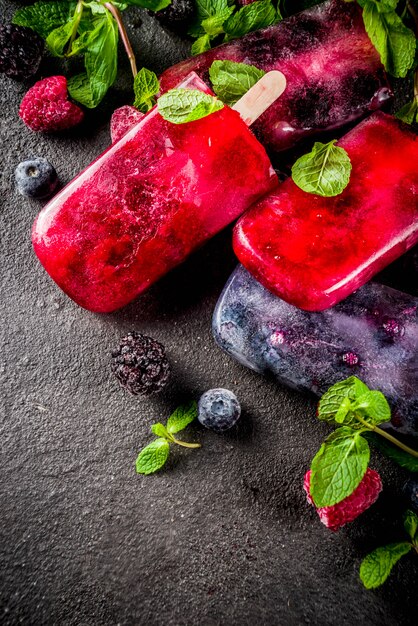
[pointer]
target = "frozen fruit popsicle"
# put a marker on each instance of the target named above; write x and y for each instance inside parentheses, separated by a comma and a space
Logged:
(333, 72)
(314, 251)
(148, 202)
(373, 334)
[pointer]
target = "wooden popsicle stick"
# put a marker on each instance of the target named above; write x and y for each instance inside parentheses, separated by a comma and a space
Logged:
(260, 96)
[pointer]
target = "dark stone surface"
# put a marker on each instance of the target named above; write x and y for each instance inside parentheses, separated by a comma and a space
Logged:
(223, 536)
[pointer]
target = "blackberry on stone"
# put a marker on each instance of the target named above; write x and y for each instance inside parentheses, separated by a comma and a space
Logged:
(411, 493)
(21, 51)
(140, 364)
(177, 16)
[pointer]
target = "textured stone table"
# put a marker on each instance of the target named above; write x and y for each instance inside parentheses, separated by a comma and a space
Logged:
(222, 537)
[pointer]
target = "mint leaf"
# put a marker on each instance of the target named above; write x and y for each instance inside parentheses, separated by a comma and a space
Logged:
(146, 87)
(411, 524)
(394, 41)
(179, 106)
(330, 404)
(151, 5)
(58, 38)
(232, 80)
(201, 45)
(101, 64)
(377, 565)
(338, 467)
(374, 406)
(400, 457)
(254, 16)
(45, 16)
(325, 171)
(160, 430)
(181, 417)
(153, 457)
(409, 112)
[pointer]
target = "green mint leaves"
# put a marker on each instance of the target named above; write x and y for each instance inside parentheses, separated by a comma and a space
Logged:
(146, 88)
(394, 41)
(338, 467)
(180, 106)
(220, 20)
(325, 171)
(409, 112)
(45, 16)
(232, 80)
(154, 456)
(377, 566)
(343, 459)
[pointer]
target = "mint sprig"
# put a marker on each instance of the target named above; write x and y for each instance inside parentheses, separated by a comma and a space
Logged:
(180, 106)
(146, 88)
(342, 461)
(325, 171)
(218, 21)
(232, 80)
(377, 566)
(154, 456)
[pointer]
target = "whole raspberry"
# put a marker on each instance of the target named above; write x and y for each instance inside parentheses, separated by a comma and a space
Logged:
(123, 119)
(351, 507)
(140, 364)
(21, 51)
(46, 106)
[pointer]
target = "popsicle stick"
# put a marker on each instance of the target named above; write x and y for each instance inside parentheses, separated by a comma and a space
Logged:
(260, 96)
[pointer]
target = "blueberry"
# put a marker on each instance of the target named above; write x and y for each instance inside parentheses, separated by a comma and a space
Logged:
(219, 409)
(36, 178)
(411, 492)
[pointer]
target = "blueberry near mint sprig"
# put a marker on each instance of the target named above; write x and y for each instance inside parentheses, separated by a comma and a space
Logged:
(154, 456)
(343, 459)
(377, 566)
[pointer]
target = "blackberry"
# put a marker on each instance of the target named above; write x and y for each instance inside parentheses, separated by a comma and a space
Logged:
(21, 51)
(140, 364)
(36, 178)
(219, 409)
(177, 16)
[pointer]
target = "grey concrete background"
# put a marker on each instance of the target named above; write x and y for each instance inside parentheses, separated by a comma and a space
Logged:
(222, 536)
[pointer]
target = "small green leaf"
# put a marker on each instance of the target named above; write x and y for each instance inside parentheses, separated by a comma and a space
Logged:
(394, 41)
(409, 112)
(201, 45)
(411, 524)
(146, 87)
(330, 403)
(213, 25)
(179, 106)
(338, 467)
(373, 406)
(343, 410)
(182, 417)
(232, 80)
(325, 171)
(400, 457)
(160, 430)
(377, 565)
(153, 457)
(45, 16)
(250, 17)
(151, 5)
(58, 38)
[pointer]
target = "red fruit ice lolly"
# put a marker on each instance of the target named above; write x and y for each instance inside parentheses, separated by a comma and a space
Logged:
(147, 202)
(314, 251)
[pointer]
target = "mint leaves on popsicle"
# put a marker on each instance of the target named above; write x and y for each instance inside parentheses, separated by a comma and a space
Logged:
(325, 171)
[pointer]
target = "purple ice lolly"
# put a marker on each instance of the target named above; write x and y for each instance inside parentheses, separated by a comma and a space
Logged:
(373, 335)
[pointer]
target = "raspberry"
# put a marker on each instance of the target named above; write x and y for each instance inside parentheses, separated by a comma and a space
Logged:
(46, 106)
(140, 364)
(351, 507)
(21, 51)
(123, 119)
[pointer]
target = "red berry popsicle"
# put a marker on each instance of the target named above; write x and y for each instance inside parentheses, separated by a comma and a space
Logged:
(147, 202)
(334, 74)
(313, 251)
